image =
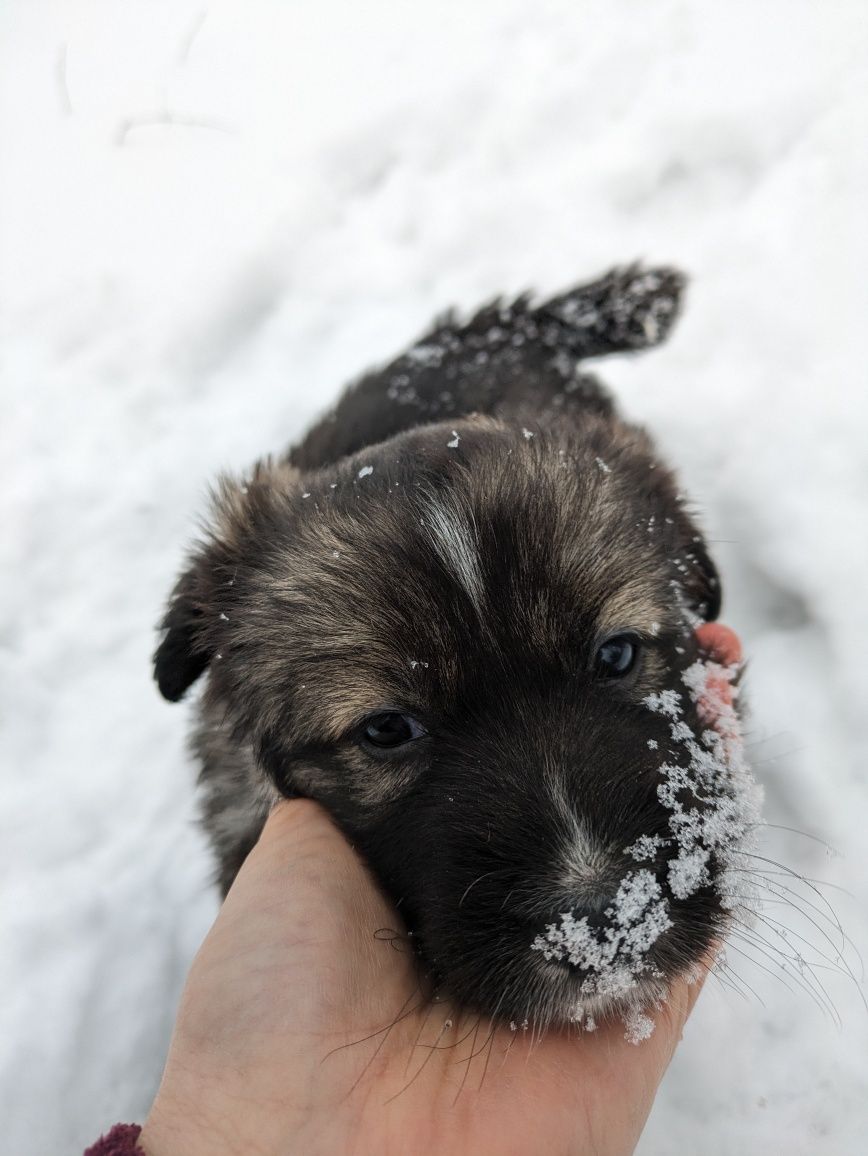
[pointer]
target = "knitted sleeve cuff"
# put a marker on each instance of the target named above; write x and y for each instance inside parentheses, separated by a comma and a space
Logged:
(122, 1140)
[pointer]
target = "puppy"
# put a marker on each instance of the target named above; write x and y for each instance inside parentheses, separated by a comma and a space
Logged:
(468, 614)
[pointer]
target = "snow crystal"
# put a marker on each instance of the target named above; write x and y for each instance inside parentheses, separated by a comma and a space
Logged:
(666, 702)
(639, 1027)
(365, 471)
(583, 1019)
(528, 434)
(455, 440)
(714, 807)
(646, 847)
(613, 955)
(601, 465)
(688, 872)
(427, 355)
(711, 794)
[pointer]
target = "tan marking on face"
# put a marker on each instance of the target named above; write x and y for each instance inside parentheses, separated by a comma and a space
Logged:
(383, 783)
(637, 606)
(333, 702)
(634, 606)
(333, 696)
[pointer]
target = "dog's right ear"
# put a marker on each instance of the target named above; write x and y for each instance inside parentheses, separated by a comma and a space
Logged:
(184, 651)
(243, 511)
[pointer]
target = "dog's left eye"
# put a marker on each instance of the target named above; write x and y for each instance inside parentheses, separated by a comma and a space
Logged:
(617, 656)
(390, 729)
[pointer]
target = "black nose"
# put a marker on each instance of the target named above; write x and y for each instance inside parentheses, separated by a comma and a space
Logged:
(612, 938)
(591, 901)
(591, 905)
(572, 924)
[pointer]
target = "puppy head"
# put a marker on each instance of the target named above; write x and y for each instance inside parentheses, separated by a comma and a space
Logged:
(477, 648)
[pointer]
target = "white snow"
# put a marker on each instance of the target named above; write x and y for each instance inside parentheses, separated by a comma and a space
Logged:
(614, 954)
(709, 789)
(646, 846)
(639, 1027)
(666, 702)
(211, 217)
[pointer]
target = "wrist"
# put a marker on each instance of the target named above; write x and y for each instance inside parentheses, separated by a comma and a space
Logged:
(173, 1129)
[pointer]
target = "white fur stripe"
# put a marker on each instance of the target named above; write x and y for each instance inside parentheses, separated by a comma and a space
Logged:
(454, 539)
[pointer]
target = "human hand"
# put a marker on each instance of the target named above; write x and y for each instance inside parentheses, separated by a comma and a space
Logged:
(302, 1031)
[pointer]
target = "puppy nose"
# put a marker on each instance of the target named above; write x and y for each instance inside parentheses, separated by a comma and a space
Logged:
(604, 933)
(590, 903)
(590, 893)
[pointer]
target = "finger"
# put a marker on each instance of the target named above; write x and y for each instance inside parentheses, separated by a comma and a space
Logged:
(306, 891)
(300, 860)
(672, 1019)
(295, 830)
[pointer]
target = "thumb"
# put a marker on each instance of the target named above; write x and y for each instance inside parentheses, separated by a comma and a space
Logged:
(306, 892)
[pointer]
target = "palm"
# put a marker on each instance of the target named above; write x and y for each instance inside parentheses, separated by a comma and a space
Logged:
(294, 1003)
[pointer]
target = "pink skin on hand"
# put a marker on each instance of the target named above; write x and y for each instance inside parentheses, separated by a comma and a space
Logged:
(722, 651)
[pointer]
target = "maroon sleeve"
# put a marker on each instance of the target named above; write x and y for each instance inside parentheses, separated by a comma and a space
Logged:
(122, 1140)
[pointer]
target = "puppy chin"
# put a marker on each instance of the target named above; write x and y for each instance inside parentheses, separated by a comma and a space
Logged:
(563, 1003)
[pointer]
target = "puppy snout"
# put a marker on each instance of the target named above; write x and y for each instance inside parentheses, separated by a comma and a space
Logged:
(611, 946)
(590, 903)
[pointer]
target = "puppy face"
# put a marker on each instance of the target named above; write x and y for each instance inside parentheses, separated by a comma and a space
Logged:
(475, 646)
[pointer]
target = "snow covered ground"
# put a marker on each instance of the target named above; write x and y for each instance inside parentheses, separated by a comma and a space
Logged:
(212, 215)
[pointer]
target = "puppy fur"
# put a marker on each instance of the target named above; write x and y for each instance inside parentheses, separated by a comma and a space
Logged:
(454, 540)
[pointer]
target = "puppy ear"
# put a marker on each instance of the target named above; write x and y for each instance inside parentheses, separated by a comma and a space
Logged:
(702, 580)
(243, 512)
(183, 653)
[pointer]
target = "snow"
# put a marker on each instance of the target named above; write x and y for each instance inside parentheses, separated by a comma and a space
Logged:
(639, 1027)
(212, 217)
(615, 954)
(714, 805)
(712, 771)
(667, 702)
(646, 846)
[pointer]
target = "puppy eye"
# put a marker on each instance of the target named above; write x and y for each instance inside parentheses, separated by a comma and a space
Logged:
(617, 656)
(390, 729)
